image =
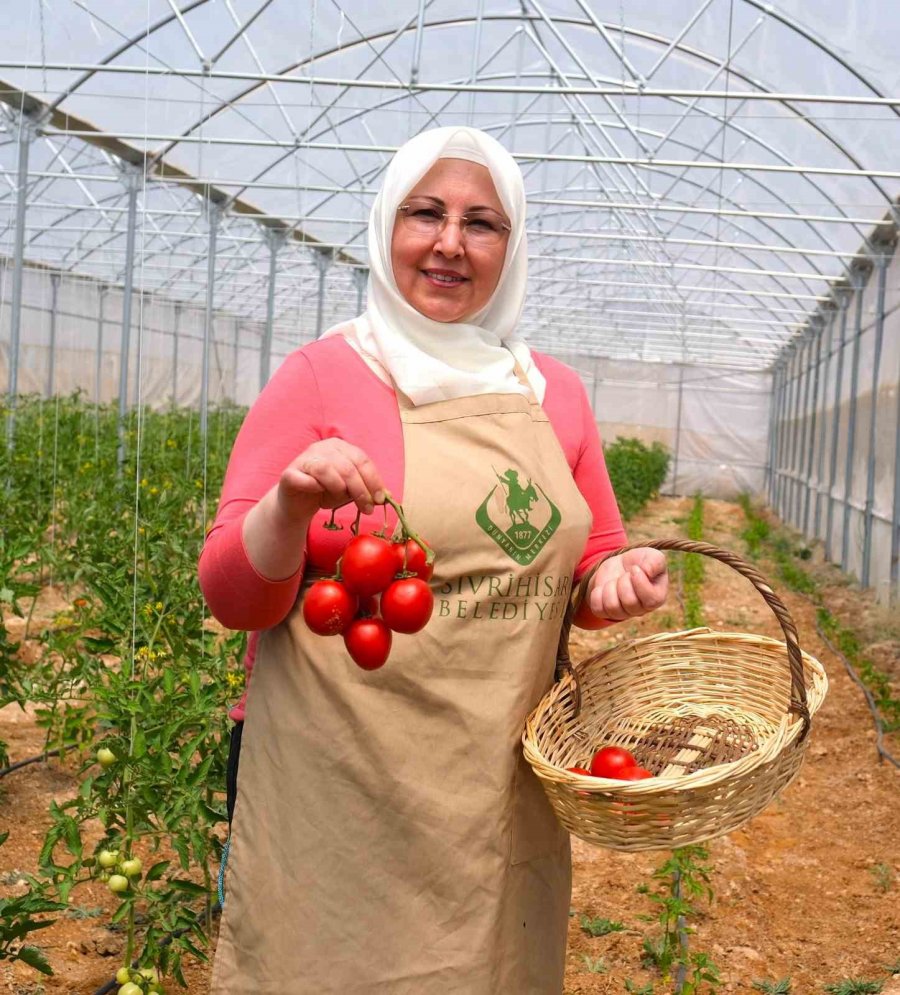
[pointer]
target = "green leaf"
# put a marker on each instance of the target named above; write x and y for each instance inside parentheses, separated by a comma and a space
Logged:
(36, 959)
(157, 870)
(189, 887)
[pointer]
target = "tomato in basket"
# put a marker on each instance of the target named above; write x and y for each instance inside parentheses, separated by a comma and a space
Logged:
(634, 774)
(611, 761)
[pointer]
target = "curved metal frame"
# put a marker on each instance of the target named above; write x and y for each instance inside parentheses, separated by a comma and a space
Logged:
(652, 246)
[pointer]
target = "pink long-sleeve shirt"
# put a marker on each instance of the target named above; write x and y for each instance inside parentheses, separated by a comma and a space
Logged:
(326, 390)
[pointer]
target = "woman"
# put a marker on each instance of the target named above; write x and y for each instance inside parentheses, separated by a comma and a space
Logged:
(388, 836)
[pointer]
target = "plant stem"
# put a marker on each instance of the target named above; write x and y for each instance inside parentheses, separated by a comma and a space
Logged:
(429, 552)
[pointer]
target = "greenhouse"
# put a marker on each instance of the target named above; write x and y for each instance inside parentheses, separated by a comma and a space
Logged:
(713, 201)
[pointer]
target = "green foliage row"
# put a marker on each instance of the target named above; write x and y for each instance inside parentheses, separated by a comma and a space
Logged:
(760, 537)
(636, 472)
(694, 569)
(113, 514)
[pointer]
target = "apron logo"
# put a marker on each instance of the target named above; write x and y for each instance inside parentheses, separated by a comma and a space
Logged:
(532, 516)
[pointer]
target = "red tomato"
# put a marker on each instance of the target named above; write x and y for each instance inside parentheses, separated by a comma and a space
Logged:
(611, 761)
(328, 607)
(585, 619)
(415, 559)
(634, 774)
(407, 605)
(368, 641)
(368, 564)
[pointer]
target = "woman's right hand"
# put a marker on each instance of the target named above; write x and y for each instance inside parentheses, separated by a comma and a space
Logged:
(328, 474)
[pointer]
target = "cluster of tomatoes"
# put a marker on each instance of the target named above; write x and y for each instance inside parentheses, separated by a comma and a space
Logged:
(143, 981)
(120, 874)
(381, 588)
(614, 762)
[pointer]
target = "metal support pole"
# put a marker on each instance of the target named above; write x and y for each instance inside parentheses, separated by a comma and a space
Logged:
(131, 183)
(175, 337)
(804, 461)
(27, 129)
(770, 442)
(794, 492)
(882, 264)
(323, 259)
(98, 372)
(843, 303)
(812, 412)
(783, 434)
(859, 282)
(234, 360)
(361, 279)
(214, 216)
(476, 51)
(678, 430)
(823, 429)
(894, 590)
(417, 44)
(276, 240)
(51, 358)
(784, 453)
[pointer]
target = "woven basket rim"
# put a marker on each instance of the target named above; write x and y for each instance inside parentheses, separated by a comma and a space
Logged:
(788, 731)
(701, 632)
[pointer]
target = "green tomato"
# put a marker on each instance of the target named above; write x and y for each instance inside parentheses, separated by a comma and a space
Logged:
(130, 989)
(123, 976)
(118, 883)
(105, 757)
(108, 858)
(131, 868)
(150, 973)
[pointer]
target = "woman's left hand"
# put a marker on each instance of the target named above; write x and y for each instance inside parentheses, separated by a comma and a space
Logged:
(629, 585)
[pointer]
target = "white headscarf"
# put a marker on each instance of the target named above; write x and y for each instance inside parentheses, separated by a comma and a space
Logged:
(436, 360)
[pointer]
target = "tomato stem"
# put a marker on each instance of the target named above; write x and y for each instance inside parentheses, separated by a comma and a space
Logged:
(407, 531)
(331, 524)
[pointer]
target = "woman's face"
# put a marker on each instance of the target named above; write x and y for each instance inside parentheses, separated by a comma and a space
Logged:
(444, 276)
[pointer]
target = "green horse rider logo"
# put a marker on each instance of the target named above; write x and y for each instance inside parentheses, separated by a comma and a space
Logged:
(533, 517)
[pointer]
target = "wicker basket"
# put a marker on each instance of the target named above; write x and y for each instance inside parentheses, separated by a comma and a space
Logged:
(721, 718)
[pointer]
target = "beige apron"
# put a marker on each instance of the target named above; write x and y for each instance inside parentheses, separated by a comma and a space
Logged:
(388, 835)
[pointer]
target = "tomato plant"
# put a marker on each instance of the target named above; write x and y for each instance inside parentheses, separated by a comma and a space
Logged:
(406, 605)
(329, 607)
(143, 695)
(368, 641)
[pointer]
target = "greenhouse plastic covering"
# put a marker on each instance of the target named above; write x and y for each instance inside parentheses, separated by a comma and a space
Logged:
(712, 189)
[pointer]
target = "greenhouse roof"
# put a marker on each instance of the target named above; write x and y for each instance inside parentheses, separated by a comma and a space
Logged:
(703, 175)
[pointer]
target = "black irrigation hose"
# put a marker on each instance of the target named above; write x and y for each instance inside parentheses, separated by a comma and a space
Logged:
(870, 701)
(33, 760)
(112, 985)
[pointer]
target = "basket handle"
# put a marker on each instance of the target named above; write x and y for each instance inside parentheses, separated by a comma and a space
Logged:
(798, 704)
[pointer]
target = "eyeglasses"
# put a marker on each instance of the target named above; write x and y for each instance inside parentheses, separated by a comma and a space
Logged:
(423, 217)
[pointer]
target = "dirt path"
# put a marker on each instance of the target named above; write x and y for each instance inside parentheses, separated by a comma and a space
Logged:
(809, 889)
(800, 890)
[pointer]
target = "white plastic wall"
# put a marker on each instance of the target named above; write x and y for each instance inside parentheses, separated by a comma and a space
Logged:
(166, 342)
(714, 421)
(821, 485)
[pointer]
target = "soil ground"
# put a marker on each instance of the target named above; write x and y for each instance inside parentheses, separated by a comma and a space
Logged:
(809, 889)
